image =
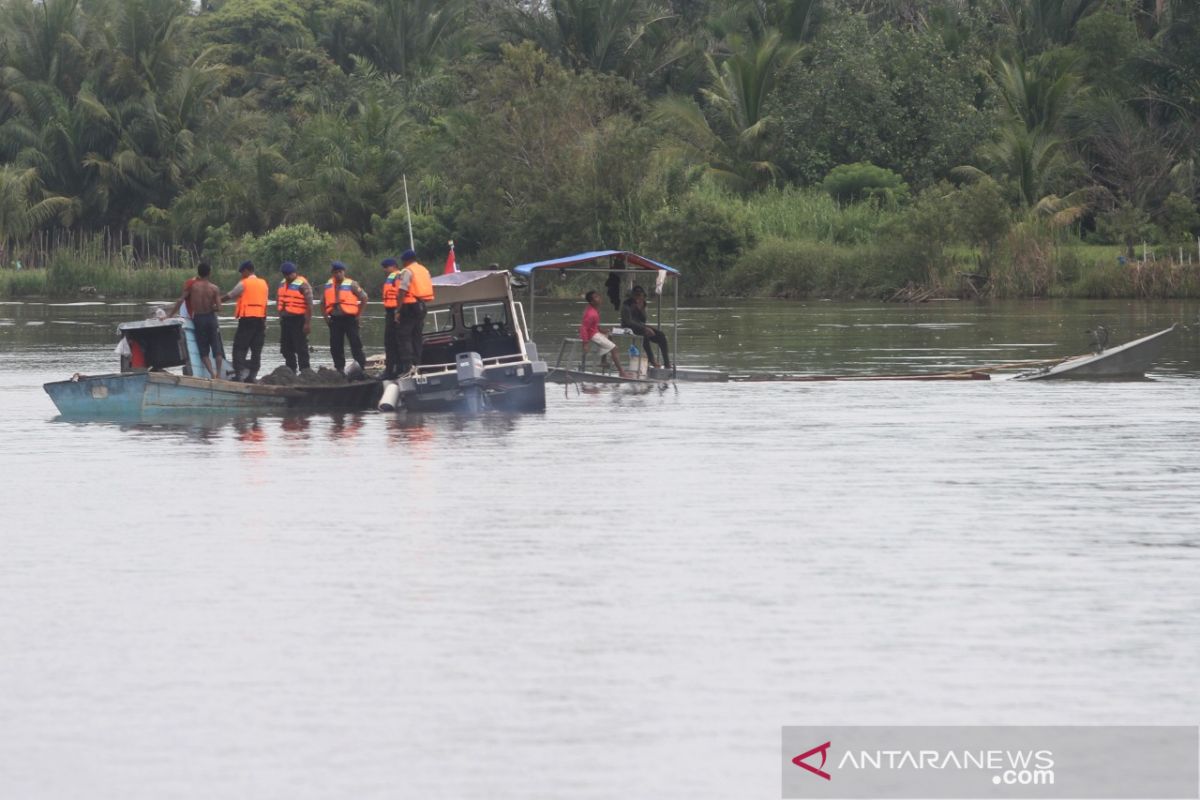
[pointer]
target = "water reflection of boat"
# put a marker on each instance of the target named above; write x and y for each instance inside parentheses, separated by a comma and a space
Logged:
(144, 387)
(477, 352)
(1130, 360)
(623, 267)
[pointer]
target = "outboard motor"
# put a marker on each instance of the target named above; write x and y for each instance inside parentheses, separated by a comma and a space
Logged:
(470, 382)
(470, 369)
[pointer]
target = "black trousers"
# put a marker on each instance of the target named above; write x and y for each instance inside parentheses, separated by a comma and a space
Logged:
(250, 336)
(659, 338)
(391, 346)
(410, 321)
(341, 328)
(293, 342)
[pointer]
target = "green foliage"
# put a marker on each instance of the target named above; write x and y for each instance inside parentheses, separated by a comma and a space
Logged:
(703, 237)
(19, 284)
(798, 269)
(917, 238)
(897, 98)
(1179, 219)
(696, 131)
(983, 214)
(389, 235)
(1127, 225)
(853, 183)
(308, 248)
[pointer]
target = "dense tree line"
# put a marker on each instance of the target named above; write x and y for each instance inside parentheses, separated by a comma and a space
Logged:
(528, 127)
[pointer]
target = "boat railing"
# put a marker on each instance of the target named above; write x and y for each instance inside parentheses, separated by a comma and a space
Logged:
(520, 316)
(493, 361)
(572, 345)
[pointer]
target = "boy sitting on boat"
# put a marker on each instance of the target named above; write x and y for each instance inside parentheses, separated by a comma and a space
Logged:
(590, 333)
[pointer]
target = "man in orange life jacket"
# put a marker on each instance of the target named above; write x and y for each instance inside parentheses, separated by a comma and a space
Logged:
(251, 294)
(343, 302)
(391, 301)
(294, 301)
(416, 289)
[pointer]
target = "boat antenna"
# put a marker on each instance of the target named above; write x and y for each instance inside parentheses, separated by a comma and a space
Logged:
(407, 213)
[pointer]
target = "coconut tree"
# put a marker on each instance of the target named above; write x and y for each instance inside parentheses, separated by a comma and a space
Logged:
(727, 129)
(408, 36)
(602, 35)
(1042, 24)
(24, 206)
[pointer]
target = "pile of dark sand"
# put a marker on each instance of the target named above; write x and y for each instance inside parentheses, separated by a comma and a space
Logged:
(282, 376)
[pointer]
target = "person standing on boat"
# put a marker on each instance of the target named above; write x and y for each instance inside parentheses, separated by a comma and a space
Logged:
(633, 316)
(391, 302)
(252, 294)
(294, 300)
(416, 289)
(203, 299)
(344, 302)
(592, 336)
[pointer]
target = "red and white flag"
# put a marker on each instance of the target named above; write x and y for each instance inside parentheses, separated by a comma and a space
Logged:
(451, 263)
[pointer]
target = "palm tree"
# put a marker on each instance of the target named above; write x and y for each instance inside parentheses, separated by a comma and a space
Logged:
(1042, 24)
(24, 206)
(1037, 92)
(602, 35)
(729, 132)
(46, 41)
(407, 36)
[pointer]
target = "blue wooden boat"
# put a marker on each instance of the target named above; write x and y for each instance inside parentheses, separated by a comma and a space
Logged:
(145, 388)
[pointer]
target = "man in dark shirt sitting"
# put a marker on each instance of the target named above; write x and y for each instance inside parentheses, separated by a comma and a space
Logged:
(633, 316)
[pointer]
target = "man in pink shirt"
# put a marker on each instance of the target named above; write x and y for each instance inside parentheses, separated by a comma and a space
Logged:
(589, 332)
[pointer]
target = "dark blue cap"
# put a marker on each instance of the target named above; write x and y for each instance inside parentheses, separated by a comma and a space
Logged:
(388, 262)
(287, 268)
(247, 264)
(408, 255)
(335, 266)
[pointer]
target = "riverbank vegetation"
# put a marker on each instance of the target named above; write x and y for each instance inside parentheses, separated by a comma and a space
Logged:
(865, 148)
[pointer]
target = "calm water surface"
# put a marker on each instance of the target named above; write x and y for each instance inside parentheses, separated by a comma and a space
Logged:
(623, 597)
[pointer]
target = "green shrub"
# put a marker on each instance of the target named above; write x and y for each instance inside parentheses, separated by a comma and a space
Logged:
(15, 284)
(854, 183)
(797, 269)
(304, 245)
(703, 237)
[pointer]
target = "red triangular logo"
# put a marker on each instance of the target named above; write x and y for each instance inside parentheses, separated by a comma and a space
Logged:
(823, 749)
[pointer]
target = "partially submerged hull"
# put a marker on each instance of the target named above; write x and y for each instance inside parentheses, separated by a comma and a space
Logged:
(140, 394)
(519, 388)
(1130, 360)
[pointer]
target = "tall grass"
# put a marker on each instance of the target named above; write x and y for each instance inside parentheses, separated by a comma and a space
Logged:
(811, 215)
(70, 276)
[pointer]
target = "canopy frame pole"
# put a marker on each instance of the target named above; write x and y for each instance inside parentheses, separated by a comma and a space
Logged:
(675, 326)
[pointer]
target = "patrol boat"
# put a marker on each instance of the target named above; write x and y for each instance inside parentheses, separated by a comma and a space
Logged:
(477, 352)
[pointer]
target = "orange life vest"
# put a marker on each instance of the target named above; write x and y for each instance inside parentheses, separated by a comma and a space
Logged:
(252, 302)
(290, 298)
(345, 297)
(420, 285)
(391, 290)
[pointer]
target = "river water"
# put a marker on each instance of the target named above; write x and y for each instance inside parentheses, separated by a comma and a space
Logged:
(623, 597)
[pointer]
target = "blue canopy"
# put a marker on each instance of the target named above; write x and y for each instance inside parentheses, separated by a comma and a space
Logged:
(632, 260)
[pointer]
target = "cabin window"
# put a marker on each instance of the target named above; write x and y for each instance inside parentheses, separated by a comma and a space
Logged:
(487, 314)
(440, 320)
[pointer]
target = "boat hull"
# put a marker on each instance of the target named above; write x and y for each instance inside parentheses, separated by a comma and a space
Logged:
(140, 394)
(1130, 360)
(503, 388)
